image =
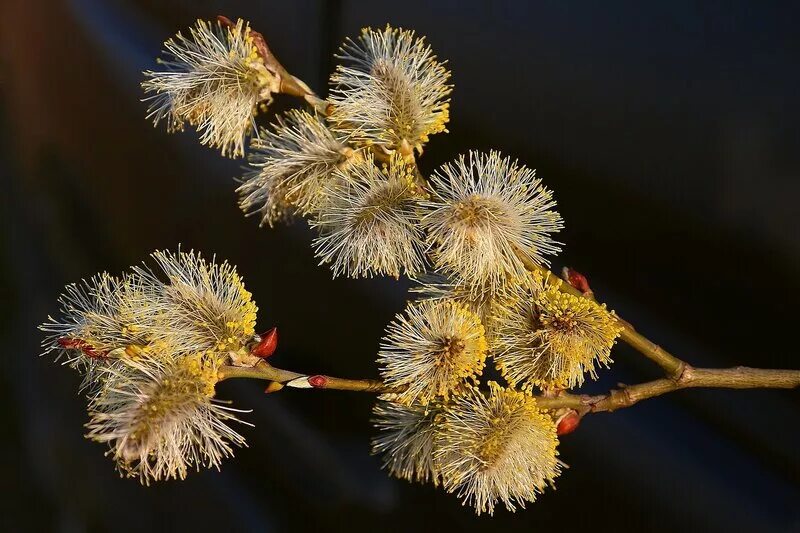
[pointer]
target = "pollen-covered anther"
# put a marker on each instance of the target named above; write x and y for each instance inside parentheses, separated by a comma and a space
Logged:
(133, 351)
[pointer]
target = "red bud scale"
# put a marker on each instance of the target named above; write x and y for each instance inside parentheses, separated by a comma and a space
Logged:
(318, 382)
(268, 344)
(568, 423)
(78, 344)
(577, 280)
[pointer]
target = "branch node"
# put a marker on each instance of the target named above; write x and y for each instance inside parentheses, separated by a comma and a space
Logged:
(684, 374)
(620, 398)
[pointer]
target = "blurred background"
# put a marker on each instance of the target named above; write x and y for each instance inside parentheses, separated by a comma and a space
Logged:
(668, 132)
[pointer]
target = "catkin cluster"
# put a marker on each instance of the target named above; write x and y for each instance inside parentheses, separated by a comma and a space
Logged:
(467, 234)
(149, 345)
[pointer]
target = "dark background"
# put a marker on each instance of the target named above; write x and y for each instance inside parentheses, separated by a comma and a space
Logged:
(669, 133)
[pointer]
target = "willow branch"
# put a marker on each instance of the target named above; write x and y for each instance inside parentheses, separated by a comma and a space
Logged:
(672, 366)
(739, 377)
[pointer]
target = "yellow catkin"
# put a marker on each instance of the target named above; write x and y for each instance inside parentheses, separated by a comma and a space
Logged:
(289, 166)
(391, 91)
(192, 305)
(214, 80)
(484, 212)
(551, 339)
(496, 447)
(158, 416)
(406, 440)
(370, 223)
(435, 349)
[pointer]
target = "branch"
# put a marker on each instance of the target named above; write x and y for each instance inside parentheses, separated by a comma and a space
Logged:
(739, 377)
(680, 375)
